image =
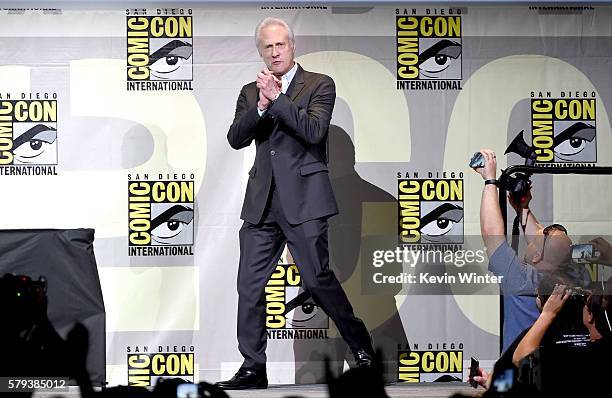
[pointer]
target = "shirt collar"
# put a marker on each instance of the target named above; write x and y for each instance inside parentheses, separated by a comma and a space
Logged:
(288, 77)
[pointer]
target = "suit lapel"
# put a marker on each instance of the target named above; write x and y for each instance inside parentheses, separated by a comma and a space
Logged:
(255, 98)
(297, 84)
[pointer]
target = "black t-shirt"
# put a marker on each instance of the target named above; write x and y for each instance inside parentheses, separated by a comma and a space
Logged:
(505, 360)
(601, 365)
(565, 355)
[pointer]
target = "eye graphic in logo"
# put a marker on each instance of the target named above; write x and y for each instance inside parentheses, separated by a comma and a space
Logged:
(442, 222)
(35, 143)
(440, 59)
(173, 226)
(574, 141)
(302, 312)
(446, 379)
(172, 61)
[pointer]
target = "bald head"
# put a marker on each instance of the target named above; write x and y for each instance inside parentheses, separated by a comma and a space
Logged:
(547, 253)
(557, 248)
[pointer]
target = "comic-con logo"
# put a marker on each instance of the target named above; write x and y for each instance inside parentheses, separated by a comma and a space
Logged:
(159, 50)
(160, 215)
(563, 130)
(291, 313)
(428, 50)
(28, 136)
(431, 365)
(430, 210)
(145, 368)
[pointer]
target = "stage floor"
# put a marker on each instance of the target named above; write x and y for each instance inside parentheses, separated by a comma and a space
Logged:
(428, 390)
(422, 390)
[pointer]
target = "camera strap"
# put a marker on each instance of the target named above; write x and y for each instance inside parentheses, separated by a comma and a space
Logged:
(603, 292)
(515, 229)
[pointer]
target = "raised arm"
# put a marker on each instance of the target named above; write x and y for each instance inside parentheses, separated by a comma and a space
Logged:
(529, 223)
(491, 220)
(535, 335)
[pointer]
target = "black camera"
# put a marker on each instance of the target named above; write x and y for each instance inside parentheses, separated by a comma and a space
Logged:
(551, 371)
(568, 329)
(23, 300)
(519, 184)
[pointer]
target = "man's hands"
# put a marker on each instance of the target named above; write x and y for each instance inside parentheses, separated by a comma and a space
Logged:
(605, 251)
(492, 225)
(269, 88)
(489, 170)
(524, 201)
(483, 378)
(535, 335)
(555, 302)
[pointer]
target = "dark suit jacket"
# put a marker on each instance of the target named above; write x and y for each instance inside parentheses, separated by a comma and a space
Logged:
(291, 141)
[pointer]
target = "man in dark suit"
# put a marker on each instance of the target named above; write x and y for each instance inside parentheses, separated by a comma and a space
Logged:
(289, 197)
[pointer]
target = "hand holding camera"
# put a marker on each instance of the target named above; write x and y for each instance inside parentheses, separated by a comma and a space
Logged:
(602, 253)
(485, 164)
(518, 185)
(555, 302)
(522, 203)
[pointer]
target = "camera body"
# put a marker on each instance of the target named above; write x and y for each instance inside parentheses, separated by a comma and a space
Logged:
(518, 186)
(568, 329)
(23, 300)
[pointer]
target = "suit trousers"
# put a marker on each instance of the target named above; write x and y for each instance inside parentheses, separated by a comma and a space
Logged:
(261, 246)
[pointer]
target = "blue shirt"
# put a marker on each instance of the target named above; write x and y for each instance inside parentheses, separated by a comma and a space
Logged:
(519, 289)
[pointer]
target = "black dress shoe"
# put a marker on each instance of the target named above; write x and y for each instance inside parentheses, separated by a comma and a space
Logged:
(245, 379)
(363, 359)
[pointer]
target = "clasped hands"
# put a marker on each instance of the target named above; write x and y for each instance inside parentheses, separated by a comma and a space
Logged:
(269, 88)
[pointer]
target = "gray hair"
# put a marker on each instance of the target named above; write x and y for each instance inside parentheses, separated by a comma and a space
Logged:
(273, 21)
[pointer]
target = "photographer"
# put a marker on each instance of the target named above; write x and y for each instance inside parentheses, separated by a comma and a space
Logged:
(597, 319)
(553, 292)
(552, 305)
(547, 249)
(596, 314)
(554, 356)
(33, 346)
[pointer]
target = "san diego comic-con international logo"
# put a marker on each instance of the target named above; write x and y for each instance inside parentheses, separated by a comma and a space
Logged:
(144, 367)
(291, 313)
(159, 50)
(430, 211)
(563, 129)
(28, 134)
(440, 362)
(429, 47)
(160, 215)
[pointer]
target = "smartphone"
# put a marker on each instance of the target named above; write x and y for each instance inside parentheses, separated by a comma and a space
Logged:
(477, 160)
(583, 253)
(474, 364)
(187, 390)
(503, 381)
